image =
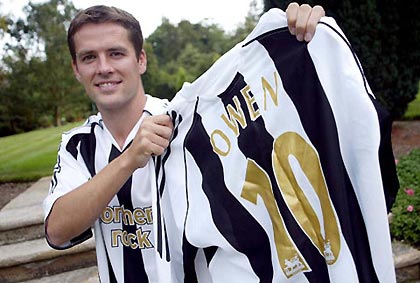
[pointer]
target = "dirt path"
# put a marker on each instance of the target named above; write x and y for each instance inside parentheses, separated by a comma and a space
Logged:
(8, 191)
(405, 137)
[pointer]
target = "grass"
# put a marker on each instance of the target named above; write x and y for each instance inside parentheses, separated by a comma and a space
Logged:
(30, 156)
(413, 110)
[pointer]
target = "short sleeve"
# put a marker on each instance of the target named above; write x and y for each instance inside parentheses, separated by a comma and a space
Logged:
(69, 173)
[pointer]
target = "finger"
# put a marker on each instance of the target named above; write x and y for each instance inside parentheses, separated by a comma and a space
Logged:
(316, 14)
(302, 19)
(291, 15)
(149, 129)
(149, 144)
(161, 119)
(163, 131)
(158, 145)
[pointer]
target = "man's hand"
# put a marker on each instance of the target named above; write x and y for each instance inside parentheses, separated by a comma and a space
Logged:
(152, 138)
(303, 19)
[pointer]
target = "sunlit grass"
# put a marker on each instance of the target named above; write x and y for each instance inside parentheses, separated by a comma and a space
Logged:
(413, 110)
(29, 156)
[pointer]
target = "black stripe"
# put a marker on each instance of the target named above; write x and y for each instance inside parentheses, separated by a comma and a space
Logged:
(111, 274)
(233, 221)
(158, 218)
(266, 34)
(57, 170)
(112, 278)
(87, 148)
(176, 119)
(133, 265)
(301, 83)
(161, 232)
(189, 275)
(209, 253)
(389, 175)
(160, 163)
(189, 253)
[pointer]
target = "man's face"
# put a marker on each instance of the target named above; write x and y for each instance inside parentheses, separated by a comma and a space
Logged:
(107, 66)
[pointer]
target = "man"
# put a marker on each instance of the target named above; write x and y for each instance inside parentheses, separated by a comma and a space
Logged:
(101, 178)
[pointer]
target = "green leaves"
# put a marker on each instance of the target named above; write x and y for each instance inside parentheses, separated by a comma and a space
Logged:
(405, 224)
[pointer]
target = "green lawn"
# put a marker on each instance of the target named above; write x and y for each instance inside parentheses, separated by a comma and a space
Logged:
(29, 156)
(413, 110)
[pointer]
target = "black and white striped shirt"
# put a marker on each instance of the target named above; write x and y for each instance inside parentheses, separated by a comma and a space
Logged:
(280, 165)
(124, 233)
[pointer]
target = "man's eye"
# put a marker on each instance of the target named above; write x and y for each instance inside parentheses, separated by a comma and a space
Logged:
(88, 58)
(117, 54)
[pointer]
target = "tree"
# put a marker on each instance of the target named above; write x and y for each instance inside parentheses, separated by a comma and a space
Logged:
(385, 35)
(3, 22)
(178, 53)
(248, 25)
(49, 22)
(20, 107)
(38, 77)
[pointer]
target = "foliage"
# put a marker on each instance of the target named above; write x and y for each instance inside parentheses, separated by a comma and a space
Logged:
(38, 87)
(405, 224)
(3, 22)
(29, 156)
(250, 22)
(62, 93)
(413, 109)
(385, 34)
(180, 53)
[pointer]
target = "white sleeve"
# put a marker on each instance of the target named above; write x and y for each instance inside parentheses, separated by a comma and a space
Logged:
(69, 173)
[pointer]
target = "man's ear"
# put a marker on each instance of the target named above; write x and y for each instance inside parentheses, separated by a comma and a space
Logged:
(142, 62)
(75, 70)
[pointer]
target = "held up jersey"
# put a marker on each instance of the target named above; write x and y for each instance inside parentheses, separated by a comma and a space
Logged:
(276, 169)
(123, 234)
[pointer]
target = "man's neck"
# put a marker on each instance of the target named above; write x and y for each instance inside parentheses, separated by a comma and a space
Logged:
(120, 122)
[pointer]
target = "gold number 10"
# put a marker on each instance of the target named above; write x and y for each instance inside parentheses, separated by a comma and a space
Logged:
(257, 183)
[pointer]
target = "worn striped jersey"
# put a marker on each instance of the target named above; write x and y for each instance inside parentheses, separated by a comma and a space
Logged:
(278, 167)
(124, 233)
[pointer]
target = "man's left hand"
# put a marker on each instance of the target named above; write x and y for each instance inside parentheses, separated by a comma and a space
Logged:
(303, 19)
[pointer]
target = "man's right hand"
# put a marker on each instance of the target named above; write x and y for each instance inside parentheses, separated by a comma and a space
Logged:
(151, 139)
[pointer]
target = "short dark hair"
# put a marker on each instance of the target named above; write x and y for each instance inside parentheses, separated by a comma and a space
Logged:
(104, 14)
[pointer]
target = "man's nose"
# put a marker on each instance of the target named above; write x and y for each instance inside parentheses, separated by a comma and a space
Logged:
(104, 65)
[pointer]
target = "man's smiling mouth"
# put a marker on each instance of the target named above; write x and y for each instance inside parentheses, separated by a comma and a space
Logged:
(107, 84)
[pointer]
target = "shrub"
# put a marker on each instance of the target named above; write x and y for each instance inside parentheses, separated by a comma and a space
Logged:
(405, 224)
